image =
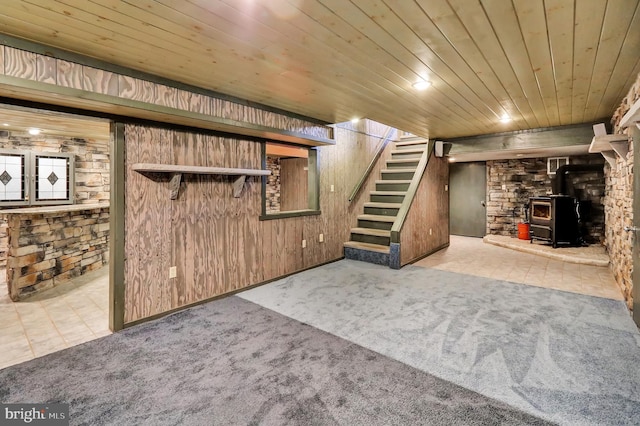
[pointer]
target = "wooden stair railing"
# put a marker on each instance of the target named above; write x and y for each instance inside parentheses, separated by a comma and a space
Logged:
(383, 144)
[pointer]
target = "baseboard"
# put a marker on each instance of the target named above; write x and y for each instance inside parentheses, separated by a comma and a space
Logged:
(220, 296)
(422, 256)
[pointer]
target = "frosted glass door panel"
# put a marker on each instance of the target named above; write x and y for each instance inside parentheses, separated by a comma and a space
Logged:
(52, 178)
(11, 177)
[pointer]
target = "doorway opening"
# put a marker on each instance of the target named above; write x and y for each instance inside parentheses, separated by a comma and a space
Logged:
(54, 231)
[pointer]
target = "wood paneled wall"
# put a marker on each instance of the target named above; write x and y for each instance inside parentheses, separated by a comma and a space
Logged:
(294, 184)
(217, 242)
(45, 69)
(429, 211)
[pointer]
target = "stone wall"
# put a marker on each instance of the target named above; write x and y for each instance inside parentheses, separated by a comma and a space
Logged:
(91, 160)
(46, 249)
(510, 184)
(619, 205)
(273, 185)
(91, 168)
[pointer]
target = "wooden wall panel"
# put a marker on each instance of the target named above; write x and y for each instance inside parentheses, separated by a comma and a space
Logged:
(429, 211)
(29, 65)
(216, 241)
(294, 188)
(46, 69)
(100, 81)
(137, 90)
(69, 74)
(20, 63)
(134, 215)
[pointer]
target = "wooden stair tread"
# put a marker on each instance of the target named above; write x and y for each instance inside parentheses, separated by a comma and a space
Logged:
(367, 246)
(398, 170)
(371, 231)
(403, 160)
(377, 218)
(388, 193)
(377, 205)
(393, 182)
(407, 151)
(413, 142)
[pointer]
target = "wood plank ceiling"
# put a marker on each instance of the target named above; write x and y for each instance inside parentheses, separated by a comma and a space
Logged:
(541, 62)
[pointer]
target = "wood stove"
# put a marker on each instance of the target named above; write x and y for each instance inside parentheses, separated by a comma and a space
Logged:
(554, 219)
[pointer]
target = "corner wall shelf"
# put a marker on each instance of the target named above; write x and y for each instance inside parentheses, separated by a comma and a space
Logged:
(608, 144)
(632, 116)
(177, 171)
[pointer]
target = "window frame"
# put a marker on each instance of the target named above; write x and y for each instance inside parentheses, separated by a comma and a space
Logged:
(71, 181)
(29, 183)
(313, 182)
(25, 183)
(556, 161)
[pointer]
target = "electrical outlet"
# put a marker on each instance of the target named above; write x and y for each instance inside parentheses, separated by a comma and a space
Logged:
(446, 188)
(304, 243)
(333, 188)
(173, 272)
(321, 238)
(430, 231)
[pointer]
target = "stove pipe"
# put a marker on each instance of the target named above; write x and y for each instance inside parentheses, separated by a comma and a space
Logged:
(559, 182)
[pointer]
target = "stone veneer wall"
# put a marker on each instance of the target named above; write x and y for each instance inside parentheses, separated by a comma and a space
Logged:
(91, 168)
(48, 248)
(524, 178)
(91, 160)
(619, 205)
(273, 185)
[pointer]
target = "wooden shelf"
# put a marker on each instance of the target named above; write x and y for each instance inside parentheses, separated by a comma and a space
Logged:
(197, 170)
(632, 116)
(608, 144)
(177, 170)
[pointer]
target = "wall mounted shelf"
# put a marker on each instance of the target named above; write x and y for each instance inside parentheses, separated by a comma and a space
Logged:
(177, 171)
(632, 116)
(608, 144)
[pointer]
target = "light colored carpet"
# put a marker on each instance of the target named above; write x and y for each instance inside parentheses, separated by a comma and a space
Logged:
(565, 357)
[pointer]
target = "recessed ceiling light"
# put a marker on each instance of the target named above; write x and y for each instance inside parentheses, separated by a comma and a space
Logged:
(519, 155)
(505, 118)
(421, 85)
(34, 131)
(452, 159)
(5, 124)
(355, 120)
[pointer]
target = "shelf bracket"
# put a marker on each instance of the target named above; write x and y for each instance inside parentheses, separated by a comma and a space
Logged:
(610, 157)
(238, 184)
(174, 185)
(621, 148)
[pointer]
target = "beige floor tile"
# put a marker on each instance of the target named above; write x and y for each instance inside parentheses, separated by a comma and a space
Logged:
(48, 322)
(472, 256)
(5, 362)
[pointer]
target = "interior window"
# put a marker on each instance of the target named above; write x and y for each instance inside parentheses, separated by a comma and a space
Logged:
(291, 189)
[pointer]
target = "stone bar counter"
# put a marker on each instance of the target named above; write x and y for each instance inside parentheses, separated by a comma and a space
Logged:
(49, 245)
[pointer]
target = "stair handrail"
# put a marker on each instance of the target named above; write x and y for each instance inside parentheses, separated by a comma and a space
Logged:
(411, 193)
(379, 150)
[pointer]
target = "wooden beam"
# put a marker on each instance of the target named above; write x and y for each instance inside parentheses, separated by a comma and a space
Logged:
(35, 91)
(552, 137)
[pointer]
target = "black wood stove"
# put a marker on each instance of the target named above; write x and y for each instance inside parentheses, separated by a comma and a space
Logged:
(554, 219)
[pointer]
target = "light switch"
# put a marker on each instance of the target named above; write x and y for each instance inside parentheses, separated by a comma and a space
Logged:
(173, 272)
(304, 243)
(321, 238)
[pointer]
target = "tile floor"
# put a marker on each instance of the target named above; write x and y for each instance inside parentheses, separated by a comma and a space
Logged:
(72, 313)
(472, 256)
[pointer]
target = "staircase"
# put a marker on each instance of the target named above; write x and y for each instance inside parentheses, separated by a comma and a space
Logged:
(371, 240)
